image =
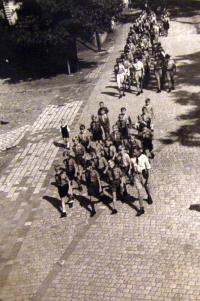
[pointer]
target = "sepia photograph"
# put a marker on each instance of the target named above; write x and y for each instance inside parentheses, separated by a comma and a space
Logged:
(99, 150)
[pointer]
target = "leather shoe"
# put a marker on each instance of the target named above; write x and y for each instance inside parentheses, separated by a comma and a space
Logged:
(140, 212)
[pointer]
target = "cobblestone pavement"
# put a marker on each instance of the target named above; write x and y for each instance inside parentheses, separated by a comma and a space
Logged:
(109, 257)
(12, 138)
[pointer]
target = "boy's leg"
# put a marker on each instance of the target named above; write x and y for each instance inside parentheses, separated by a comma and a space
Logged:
(93, 211)
(141, 84)
(169, 81)
(78, 181)
(158, 81)
(120, 92)
(141, 211)
(66, 141)
(63, 214)
(172, 80)
(114, 197)
(148, 191)
(71, 197)
(124, 87)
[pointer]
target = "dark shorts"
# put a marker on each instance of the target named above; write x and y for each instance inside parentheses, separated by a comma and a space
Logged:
(124, 133)
(124, 170)
(80, 160)
(93, 190)
(116, 186)
(97, 137)
(71, 175)
(147, 144)
(63, 190)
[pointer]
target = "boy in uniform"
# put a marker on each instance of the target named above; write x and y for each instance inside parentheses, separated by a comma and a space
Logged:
(84, 138)
(126, 117)
(122, 127)
(127, 66)
(71, 169)
(79, 154)
(62, 183)
(116, 181)
(103, 108)
(65, 131)
(158, 71)
(138, 68)
(120, 78)
(139, 125)
(96, 129)
(133, 143)
(116, 137)
(147, 139)
(124, 163)
(140, 171)
(170, 68)
(93, 185)
(104, 121)
(147, 109)
(109, 150)
(100, 163)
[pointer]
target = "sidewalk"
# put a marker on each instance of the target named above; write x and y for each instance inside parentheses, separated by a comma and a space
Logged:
(109, 258)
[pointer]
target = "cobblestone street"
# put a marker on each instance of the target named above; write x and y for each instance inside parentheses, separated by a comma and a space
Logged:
(107, 257)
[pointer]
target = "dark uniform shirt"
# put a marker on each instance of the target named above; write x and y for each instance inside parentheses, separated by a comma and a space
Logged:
(69, 164)
(79, 150)
(96, 130)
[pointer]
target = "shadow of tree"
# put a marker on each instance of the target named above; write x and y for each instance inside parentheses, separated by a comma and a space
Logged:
(14, 72)
(188, 76)
(183, 8)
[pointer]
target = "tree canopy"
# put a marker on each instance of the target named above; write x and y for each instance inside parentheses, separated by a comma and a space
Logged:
(51, 22)
(50, 27)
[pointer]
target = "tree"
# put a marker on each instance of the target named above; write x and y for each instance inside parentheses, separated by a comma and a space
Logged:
(47, 28)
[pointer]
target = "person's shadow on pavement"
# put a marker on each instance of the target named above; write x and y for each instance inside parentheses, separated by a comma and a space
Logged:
(107, 201)
(53, 201)
(58, 144)
(195, 207)
(83, 201)
(114, 94)
(129, 200)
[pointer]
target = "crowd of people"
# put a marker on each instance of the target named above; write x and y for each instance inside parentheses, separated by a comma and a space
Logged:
(107, 159)
(144, 58)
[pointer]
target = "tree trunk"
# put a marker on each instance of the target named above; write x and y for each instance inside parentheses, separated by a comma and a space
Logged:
(98, 41)
(76, 54)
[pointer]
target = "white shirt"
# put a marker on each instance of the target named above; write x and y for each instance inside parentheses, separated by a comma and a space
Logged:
(170, 64)
(138, 66)
(121, 69)
(143, 163)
